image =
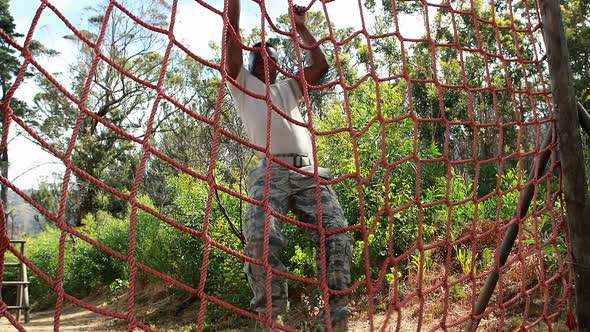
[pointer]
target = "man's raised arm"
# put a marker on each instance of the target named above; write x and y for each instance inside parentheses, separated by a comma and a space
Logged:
(234, 59)
(319, 65)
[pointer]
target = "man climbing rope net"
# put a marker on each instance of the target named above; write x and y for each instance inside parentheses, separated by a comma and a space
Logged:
(289, 189)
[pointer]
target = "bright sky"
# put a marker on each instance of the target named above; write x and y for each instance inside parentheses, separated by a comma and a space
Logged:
(195, 26)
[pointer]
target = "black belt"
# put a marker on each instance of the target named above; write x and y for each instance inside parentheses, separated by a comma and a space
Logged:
(294, 159)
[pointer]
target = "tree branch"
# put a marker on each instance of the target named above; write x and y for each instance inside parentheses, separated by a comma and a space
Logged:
(237, 233)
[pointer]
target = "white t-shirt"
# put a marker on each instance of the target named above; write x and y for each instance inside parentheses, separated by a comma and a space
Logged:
(286, 137)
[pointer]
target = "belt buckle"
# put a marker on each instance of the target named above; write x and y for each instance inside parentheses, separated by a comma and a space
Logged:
(297, 161)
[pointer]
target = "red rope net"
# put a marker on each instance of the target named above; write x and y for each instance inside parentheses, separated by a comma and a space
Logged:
(431, 298)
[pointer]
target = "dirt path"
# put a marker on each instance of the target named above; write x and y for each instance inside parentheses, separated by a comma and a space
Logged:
(73, 318)
(78, 319)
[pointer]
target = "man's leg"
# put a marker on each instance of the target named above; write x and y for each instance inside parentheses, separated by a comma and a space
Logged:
(253, 229)
(338, 246)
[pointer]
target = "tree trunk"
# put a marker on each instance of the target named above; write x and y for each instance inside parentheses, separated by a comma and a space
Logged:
(575, 187)
(86, 197)
(4, 173)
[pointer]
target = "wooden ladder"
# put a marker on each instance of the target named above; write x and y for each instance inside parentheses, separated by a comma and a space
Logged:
(22, 284)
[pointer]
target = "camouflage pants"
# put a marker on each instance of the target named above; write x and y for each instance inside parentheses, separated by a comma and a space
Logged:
(290, 190)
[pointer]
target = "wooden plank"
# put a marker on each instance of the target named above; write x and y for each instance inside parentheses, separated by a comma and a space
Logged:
(13, 283)
(17, 307)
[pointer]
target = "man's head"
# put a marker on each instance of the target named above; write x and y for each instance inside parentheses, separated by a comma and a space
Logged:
(256, 63)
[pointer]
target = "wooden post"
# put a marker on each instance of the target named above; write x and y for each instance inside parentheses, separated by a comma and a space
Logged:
(572, 165)
(22, 285)
(19, 288)
(24, 301)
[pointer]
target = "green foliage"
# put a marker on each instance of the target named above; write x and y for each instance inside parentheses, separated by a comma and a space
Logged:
(303, 263)
(119, 285)
(457, 291)
(43, 252)
(466, 259)
(458, 192)
(85, 266)
(392, 142)
(10, 63)
(157, 245)
(225, 277)
(461, 193)
(392, 276)
(377, 250)
(422, 261)
(9, 68)
(577, 32)
(487, 258)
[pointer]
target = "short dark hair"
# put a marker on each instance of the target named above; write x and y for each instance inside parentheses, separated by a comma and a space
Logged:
(259, 44)
(271, 50)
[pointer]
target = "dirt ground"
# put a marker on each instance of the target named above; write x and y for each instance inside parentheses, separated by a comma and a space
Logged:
(73, 318)
(78, 319)
(153, 305)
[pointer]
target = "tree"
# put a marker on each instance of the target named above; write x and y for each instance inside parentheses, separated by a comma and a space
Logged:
(187, 140)
(577, 31)
(114, 97)
(8, 70)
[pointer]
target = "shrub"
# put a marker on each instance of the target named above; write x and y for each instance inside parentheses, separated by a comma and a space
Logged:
(42, 251)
